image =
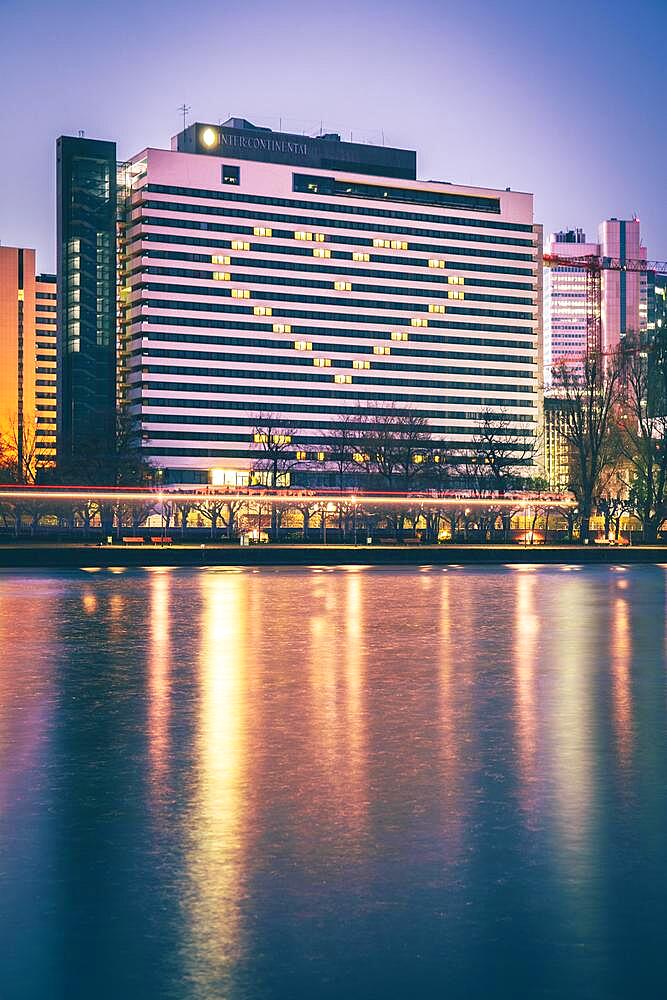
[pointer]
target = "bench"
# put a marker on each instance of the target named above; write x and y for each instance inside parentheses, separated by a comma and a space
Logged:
(162, 540)
(132, 540)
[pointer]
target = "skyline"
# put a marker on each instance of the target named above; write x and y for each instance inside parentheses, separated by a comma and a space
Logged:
(472, 116)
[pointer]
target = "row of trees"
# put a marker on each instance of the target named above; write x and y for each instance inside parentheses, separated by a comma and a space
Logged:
(614, 422)
(613, 419)
(395, 449)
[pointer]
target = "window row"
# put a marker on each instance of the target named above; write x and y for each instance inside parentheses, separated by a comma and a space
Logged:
(139, 237)
(258, 375)
(357, 272)
(180, 320)
(190, 208)
(144, 358)
(339, 208)
(286, 328)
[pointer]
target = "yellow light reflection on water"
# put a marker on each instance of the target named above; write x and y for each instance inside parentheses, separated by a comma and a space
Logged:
(526, 633)
(621, 659)
(159, 664)
(215, 835)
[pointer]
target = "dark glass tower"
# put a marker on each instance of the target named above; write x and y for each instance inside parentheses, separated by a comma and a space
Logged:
(86, 197)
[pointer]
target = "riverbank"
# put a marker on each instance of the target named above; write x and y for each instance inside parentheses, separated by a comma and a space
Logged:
(26, 556)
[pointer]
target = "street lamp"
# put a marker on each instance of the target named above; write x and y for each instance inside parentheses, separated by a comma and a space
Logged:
(354, 519)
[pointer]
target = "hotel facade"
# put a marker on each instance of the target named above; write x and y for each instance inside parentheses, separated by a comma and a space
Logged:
(305, 281)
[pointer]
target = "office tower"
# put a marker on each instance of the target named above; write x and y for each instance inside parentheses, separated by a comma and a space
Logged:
(624, 293)
(86, 250)
(312, 280)
(565, 301)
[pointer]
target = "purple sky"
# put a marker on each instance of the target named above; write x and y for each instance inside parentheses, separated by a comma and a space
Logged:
(565, 99)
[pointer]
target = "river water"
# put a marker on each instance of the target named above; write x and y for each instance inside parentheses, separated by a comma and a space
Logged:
(351, 783)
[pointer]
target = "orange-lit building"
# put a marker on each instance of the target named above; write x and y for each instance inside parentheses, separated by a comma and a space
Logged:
(45, 368)
(27, 358)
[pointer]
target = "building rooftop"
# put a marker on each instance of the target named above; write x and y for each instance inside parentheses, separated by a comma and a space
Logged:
(240, 139)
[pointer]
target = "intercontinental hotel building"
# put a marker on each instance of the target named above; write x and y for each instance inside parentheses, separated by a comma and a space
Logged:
(311, 279)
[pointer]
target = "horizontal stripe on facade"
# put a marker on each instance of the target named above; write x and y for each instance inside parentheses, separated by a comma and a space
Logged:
(142, 236)
(241, 277)
(240, 230)
(305, 359)
(340, 393)
(261, 297)
(296, 409)
(336, 206)
(429, 275)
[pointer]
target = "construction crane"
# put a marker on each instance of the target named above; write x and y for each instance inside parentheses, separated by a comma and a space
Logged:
(593, 266)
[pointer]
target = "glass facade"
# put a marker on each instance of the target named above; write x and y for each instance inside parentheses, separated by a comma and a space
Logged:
(86, 247)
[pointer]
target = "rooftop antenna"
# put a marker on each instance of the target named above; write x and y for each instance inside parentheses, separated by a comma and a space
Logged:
(81, 133)
(383, 137)
(185, 111)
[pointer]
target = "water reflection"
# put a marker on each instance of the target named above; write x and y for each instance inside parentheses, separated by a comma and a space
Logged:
(282, 784)
(159, 670)
(527, 627)
(621, 660)
(215, 826)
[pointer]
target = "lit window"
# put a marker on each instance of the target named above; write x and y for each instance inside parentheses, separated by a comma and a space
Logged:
(301, 456)
(260, 438)
(301, 235)
(455, 295)
(455, 279)
(434, 307)
(361, 256)
(281, 438)
(321, 252)
(319, 237)
(434, 262)
(262, 231)
(343, 286)
(221, 276)
(399, 245)
(240, 293)
(361, 364)
(303, 345)
(216, 259)
(262, 310)
(342, 378)
(418, 322)
(379, 349)
(322, 362)
(382, 243)
(417, 459)
(230, 175)
(320, 456)
(398, 335)
(360, 457)
(282, 328)
(240, 245)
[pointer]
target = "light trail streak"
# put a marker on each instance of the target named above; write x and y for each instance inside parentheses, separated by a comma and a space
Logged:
(103, 495)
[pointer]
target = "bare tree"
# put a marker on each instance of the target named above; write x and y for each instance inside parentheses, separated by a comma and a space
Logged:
(502, 452)
(276, 442)
(396, 445)
(643, 432)
(19, 453)
(591, 395)
(344, 447)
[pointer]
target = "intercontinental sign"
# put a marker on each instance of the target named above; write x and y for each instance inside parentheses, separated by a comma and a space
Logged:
(270, 145)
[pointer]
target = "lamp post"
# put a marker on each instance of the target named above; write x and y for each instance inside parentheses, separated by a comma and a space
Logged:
(354, 519)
